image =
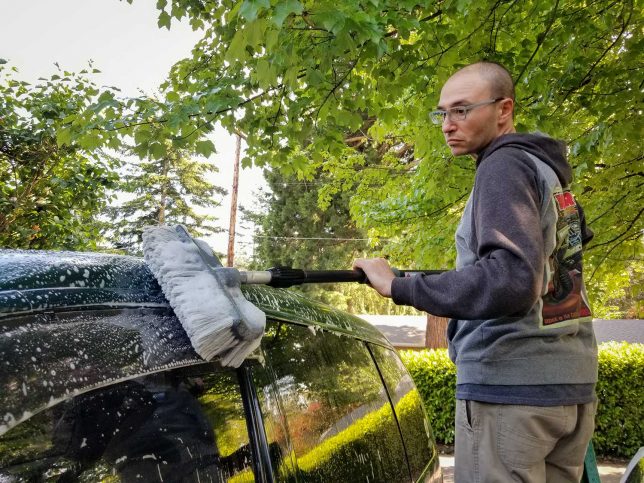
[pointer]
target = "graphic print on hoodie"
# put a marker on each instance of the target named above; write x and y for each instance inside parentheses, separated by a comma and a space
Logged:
(566, 299)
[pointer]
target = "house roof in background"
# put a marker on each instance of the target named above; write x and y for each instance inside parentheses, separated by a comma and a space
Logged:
(409, 330)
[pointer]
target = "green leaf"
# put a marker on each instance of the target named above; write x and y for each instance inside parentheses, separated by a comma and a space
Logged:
(164, 20)
(157, 150)
(251, 8)
(331, 19)
(264, 73)
(314, 77)
(255, 32)
(348, 119)
(237, 48)
(172, 96)
(142, 134)
(63, 137)
(272, 37)
(284, 9)
(205, 148)
(90, 141)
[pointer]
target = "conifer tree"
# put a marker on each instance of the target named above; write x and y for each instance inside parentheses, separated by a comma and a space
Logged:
(171, 188)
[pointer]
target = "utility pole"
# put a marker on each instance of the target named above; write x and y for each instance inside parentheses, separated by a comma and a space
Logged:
(230, 257)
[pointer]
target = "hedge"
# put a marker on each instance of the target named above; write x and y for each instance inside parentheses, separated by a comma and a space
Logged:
(619, 422)
(327, 461)
(365, 436)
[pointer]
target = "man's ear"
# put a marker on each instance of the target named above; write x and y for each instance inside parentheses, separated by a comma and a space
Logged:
(506, 107)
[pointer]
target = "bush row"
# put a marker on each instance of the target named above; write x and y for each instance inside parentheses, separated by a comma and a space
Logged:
(619, 422)
(363, 444)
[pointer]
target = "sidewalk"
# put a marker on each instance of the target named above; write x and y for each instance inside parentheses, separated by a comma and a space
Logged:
(609, 471)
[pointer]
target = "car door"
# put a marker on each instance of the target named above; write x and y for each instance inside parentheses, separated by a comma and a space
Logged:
(325, 408)
(418, 438)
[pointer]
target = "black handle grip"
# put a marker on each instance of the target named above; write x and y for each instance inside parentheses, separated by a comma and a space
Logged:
(284, 277)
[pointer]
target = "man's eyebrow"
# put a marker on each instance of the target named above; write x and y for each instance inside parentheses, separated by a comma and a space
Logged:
(460, 102)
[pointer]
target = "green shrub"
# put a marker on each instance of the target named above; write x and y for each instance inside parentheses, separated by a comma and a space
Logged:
(620, 413)
(619, 423)
(435, 376)
(327, 461)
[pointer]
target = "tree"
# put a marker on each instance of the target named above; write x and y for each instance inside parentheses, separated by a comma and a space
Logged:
(50, 193)
(166, 189)
(294, 229)
(295, 77)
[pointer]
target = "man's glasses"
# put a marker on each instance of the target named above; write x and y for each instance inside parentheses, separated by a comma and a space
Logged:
(458, 113)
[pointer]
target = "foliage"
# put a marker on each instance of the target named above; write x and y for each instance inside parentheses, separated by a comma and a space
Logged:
(344, 87)
(165, 189)
(224, 411)
(50, 193)
(435, 377)
(294, 230)
(335, 366)
(619, 430)
(326, 460)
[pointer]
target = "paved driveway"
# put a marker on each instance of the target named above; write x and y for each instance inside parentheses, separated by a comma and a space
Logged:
(609, 472)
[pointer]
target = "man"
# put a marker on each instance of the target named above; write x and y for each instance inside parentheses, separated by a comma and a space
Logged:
(525, 353)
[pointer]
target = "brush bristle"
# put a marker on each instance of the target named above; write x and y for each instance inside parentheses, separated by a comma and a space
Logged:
(217, 318)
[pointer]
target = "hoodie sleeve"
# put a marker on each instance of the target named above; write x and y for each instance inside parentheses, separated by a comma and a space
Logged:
(507, 277)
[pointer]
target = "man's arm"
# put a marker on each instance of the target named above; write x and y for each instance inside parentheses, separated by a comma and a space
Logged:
(508, 275)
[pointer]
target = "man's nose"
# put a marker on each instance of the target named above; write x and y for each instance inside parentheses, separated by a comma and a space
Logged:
(448, 125)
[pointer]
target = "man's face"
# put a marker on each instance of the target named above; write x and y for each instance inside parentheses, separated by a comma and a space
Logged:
(481, 126)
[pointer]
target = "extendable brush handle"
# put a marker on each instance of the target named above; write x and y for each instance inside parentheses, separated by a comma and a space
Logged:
(283, 277)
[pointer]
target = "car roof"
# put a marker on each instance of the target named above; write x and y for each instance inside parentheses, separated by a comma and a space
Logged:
(35, 281)
(73, 322)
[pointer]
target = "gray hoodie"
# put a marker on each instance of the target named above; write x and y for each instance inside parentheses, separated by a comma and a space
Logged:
(519, 331)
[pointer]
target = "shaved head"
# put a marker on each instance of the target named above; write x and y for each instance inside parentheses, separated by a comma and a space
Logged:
(483, 94)
(495, 75)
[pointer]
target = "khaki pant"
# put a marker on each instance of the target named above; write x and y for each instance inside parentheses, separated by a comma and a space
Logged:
(497, 443)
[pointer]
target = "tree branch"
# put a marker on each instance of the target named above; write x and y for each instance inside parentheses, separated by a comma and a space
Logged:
(338, 84)
(631, 225)
(605, 257)
(586, 77)
(540, 40)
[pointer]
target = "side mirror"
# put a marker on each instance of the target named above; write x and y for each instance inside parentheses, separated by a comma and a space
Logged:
(635, 470)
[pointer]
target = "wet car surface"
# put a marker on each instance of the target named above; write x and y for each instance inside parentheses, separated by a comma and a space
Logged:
(99, 382)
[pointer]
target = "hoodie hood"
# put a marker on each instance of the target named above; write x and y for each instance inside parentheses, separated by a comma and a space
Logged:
(550, 151)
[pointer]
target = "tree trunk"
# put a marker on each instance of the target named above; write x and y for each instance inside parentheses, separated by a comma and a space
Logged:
(436, 332)
(164, 192)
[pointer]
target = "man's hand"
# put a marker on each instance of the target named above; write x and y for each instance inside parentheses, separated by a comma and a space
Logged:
(378, 272)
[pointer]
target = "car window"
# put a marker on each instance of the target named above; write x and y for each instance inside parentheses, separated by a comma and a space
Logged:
(417, 435)
(181, 425)
(47, 356)
(327, 411)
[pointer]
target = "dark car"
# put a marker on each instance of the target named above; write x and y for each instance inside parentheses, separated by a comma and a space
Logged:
(99, 382)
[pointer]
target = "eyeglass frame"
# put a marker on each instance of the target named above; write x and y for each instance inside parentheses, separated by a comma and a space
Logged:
(449, 113)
